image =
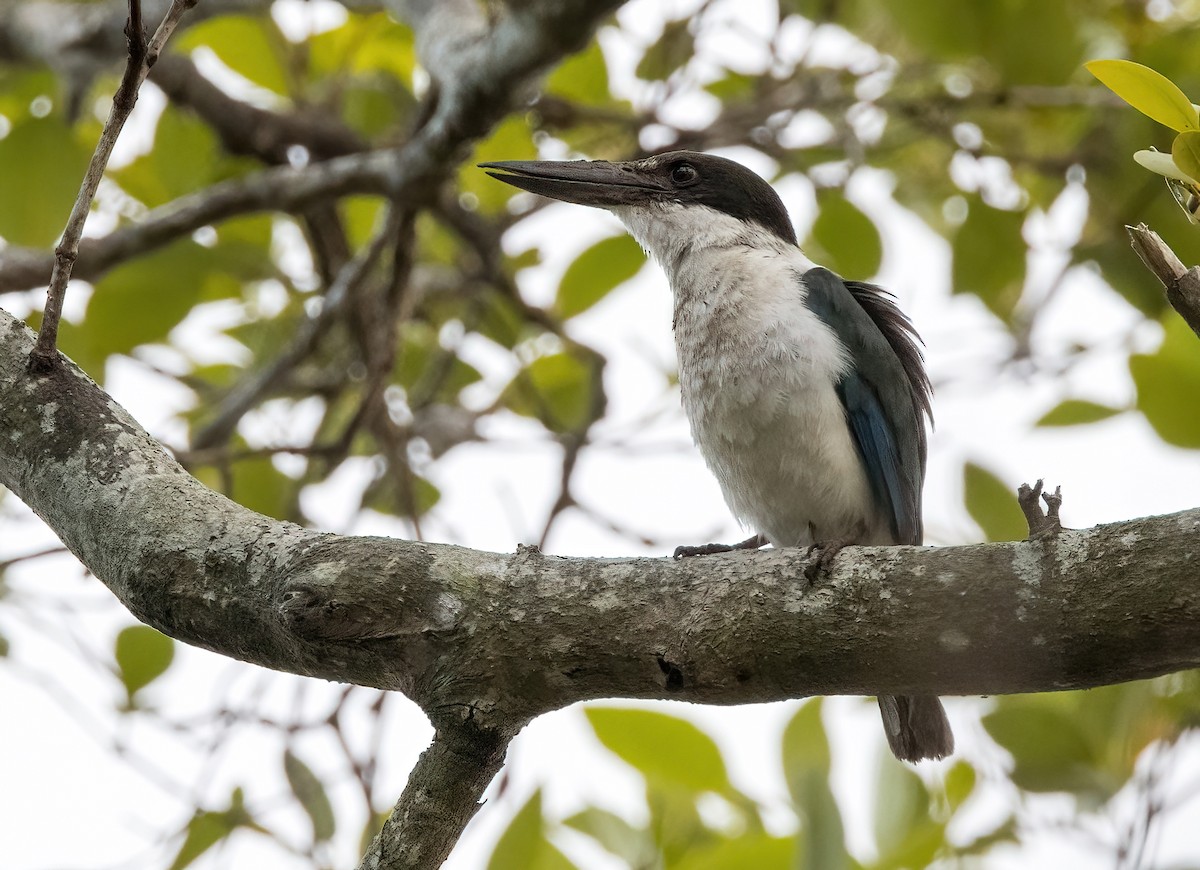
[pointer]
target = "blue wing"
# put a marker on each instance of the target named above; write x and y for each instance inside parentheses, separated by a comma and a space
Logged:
(885, 395)
(881, 457)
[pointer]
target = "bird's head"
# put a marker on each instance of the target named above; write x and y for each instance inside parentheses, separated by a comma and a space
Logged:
(665, 200)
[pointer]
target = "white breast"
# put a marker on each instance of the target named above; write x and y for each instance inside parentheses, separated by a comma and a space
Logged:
(757, 369)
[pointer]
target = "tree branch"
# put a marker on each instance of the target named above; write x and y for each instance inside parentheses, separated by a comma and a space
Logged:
(486, 641)
(1182, 284)
(441, 796)
(247, 129)
(1086, 608)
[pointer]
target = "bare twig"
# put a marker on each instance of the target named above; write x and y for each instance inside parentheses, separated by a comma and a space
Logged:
(1182, 284)
(1040, 525)
(141, 57)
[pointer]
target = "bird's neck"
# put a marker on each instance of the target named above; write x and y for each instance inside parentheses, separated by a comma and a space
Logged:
(680, 237)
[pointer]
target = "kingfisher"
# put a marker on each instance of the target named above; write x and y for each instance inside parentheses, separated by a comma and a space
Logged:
(807, 394)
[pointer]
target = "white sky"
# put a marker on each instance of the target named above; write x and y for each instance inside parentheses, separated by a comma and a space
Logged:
(56, 736)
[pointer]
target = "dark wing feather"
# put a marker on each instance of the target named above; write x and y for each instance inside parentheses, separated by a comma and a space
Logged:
(886, 394)
(902, 336)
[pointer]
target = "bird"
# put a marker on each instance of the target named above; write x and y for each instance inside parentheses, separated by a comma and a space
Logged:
(806, 394)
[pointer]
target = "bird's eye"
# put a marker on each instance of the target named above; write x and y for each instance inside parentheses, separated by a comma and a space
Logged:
(684, 173)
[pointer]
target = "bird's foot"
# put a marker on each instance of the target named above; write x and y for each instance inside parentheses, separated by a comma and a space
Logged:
(825, 552)
(708, 549)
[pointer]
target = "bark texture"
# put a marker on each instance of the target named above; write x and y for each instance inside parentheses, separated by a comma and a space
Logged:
(495, 639)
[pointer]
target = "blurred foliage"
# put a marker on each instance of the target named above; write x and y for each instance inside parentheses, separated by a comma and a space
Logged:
(696, 818)
(981, 116)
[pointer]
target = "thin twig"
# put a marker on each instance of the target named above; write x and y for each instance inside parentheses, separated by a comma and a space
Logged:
(141, 57)
(248, 392)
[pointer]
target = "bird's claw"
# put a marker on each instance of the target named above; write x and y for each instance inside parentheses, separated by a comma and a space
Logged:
(826, 552)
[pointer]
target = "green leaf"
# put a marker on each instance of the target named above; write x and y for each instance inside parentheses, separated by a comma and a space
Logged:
(993, 505)
(959, 783)
(1168, 384)
(251, 47)
(558, 390)
(806, 769)
(256, 483)
(849, 239)
(805, 746)
(633, 845)
(426, 370)
(1050, 752)
(310, 792)
(989, 257)
(597, 271)
(143, 655)
(1073, 412)
(582, 77)
(523, 845)
(41, 169)
(184, 158)
(512, 139)
(663, 748)
(901, 805)
(142, 300)
(1185, 152)
(207, 828)
(755, 850)
(672, 50)
(364, 44)
(204, 831)
(1148, 91)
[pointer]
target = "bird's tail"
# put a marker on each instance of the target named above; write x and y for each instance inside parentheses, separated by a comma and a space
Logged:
(916, 726)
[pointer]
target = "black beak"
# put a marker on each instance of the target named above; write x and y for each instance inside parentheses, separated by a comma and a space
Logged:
(583, 182)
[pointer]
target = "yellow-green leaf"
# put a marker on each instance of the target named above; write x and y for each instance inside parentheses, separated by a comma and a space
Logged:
(1185, 151)
(583, 77)
(989, 256)
(558, 390)
(524, 845)
(672, 50)
(753, 849)
(41, 168)
(143, 655)
(806, 769)
(601, 268)
(665, 749)
(250, 46)
(633, 845)
(1148, 91)
(310, 791)
(993, 505)
(1073, 412)
(1168, 384)
(848, 238)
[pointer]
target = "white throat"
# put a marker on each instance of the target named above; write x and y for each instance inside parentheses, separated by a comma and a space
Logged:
(668, 231)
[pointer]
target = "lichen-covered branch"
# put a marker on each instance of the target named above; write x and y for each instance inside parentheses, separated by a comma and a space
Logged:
(509, 636)
(441, 796)
(485, 641)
